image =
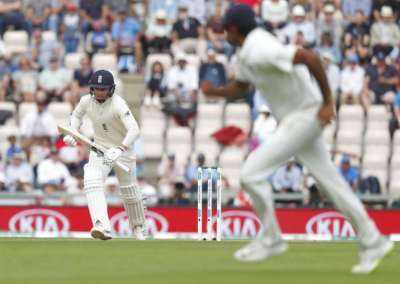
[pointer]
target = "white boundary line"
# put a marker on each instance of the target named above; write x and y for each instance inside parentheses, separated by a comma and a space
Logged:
(176, 236)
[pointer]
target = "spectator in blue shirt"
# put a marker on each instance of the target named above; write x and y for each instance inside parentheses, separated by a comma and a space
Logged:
(13, 148)
(125, 33)
(212, 70)
(395, 121)
(350, 173)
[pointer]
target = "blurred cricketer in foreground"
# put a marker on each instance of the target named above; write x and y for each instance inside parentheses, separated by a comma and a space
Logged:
(295, 86)
(115, 129)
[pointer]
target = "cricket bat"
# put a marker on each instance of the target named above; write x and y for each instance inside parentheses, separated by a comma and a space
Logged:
(93, 146)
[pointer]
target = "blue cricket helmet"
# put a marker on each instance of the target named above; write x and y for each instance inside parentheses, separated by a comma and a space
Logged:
(102, 79)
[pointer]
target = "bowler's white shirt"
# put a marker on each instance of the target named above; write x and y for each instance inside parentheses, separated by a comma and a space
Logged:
(268, 65)
(351, 81)
(113, 122)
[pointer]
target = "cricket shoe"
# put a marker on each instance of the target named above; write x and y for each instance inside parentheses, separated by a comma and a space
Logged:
(259, 250)
(139, 233)
(98, 232)
(371, 257)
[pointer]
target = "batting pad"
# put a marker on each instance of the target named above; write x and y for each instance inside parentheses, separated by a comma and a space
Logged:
(95, 196)
(133, 203)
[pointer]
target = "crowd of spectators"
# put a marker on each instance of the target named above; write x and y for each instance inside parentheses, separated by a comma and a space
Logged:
(358, 41)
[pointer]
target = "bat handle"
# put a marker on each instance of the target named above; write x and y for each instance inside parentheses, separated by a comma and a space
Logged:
(122, 166)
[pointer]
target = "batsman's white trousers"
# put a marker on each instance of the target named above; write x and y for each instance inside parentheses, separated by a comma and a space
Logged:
(299, 135)
(95, 174)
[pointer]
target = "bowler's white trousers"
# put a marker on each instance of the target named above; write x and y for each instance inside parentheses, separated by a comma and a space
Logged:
(299, 135)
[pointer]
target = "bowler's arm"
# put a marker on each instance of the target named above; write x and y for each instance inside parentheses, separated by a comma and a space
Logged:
(314, 65)
(232, 90)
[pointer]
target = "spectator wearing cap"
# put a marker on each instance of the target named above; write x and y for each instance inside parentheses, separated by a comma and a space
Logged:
(300, 24)
(378, 4)
(90, 11)
(55, 80)
(212, 70)
(169, 173)
(38, 123)
(187, 34)
(287, 178)
(11, 15)
(170, 7)
(99, 39)
(351, 81)
(351, 7)
(80, 82)
(125, 35)
(349, 172)
(182, 86)
(25, 81)
(52, 174)
(70, 28)
(380, 81)
(264, 125)
(327, 23)
(385, 34)
(19, 174)
(37, 13)
(158, 34)
(275, 13)
(332, 72)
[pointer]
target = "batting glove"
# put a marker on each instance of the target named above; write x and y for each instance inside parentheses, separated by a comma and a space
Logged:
(112, 154)
(69, 140)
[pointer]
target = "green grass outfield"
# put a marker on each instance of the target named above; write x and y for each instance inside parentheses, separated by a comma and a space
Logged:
(126, 261)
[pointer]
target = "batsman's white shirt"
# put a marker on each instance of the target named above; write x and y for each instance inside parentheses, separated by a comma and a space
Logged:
(268, 65)
(113, 122)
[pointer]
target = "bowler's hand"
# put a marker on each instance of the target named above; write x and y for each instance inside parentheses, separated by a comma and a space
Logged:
(326, 114)
(208, 88)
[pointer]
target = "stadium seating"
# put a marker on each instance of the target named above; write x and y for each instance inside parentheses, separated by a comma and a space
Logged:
(179, 142)
(72, 60)
(238, 114)
(16, 41)
(105, 61)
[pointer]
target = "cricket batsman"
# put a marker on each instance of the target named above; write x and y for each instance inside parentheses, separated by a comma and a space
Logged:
(294, 84)
(115, 129)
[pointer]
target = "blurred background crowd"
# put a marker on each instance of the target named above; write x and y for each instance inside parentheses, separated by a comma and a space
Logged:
(50, 48)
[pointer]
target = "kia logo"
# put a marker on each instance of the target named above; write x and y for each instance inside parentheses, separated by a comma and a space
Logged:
(330, 223)
(155, 223)
(38, 220)
(238, 224)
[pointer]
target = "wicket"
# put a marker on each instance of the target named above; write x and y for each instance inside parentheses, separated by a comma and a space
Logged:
(218, 175)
